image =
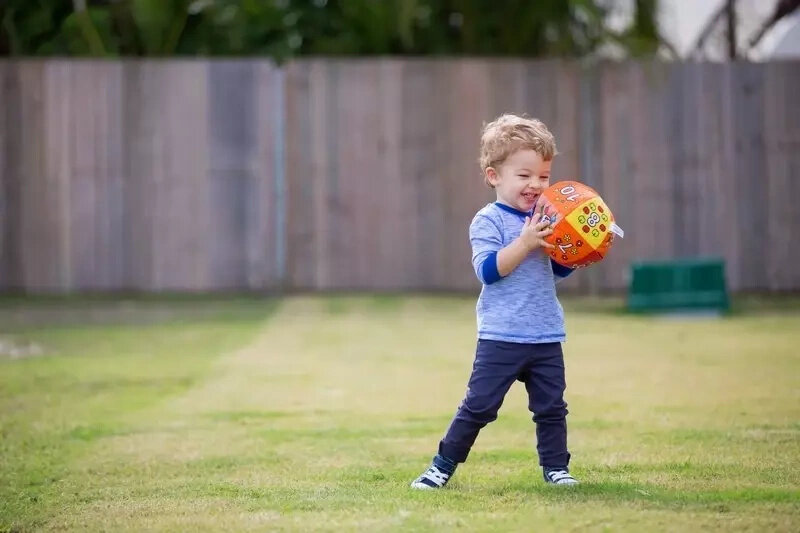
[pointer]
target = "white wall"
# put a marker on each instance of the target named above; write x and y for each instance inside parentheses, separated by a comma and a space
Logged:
(682, 21)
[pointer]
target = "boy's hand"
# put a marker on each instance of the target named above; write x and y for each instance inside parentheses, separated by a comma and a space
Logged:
(530, 238)
(535, 230)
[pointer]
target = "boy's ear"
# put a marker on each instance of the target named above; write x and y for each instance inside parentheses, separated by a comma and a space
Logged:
(491, 176)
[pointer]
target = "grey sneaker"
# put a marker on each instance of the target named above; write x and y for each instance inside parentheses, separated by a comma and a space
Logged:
(558, 476)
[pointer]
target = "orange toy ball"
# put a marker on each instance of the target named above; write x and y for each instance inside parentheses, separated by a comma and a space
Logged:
(584, 228)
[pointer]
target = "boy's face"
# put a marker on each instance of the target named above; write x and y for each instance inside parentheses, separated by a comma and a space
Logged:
(521, 179)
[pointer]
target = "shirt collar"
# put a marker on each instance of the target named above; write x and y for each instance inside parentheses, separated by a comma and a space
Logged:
(510, 209)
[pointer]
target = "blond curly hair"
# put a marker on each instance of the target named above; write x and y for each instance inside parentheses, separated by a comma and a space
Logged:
(509, 133)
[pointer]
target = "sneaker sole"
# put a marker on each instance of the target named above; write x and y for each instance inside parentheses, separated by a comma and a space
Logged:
(423, 486)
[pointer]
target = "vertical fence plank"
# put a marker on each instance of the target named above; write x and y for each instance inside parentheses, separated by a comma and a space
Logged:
(618, 174)
(393, 246)
(113, 168)
(750, 192)
(103, 173)
(357, 177)
(614, 133)
(80, 105)
(420, 145)
(566, 129)
(729, 192)
(338, 205)
(474, 99)
(232, 143)
(781, 128)
(692, 164)
(589, 144)
(566, 86)
(11, 167)
(7, 224)
(144, 143)
(39, 188)
(262, 248)
(652, 231)
(183, 258)
(300, 218)
(710, 183)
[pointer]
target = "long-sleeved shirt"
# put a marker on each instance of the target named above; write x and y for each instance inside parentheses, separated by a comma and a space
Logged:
(521, 307)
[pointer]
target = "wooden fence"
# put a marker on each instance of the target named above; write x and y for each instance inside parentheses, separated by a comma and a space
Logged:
(361, 174)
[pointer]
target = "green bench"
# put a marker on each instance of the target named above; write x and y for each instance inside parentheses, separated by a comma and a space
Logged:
(680, 285)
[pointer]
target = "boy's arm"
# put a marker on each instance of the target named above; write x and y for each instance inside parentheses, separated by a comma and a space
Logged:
(511, 256)
(490, 259)
(486, 240)
(532, 237)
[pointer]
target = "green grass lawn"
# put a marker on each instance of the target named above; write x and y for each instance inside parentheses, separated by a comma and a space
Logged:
(314, 413)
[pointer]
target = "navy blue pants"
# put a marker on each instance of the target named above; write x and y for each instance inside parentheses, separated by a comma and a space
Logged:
(497, 366)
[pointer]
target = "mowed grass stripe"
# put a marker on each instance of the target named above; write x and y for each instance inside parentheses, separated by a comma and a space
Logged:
(92, 374)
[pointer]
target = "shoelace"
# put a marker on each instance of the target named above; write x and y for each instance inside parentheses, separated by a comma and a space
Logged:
(436, 475)
(559, 475)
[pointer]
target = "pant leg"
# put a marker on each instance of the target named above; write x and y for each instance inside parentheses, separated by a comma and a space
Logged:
(545, 382)
(497, 365)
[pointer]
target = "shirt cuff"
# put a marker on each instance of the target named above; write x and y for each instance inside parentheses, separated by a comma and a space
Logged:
(489, 269)
(560, 270)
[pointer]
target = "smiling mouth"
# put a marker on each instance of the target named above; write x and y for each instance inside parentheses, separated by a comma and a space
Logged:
(531, 197)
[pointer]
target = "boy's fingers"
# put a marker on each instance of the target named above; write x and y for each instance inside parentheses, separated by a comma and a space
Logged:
(547, 245)
(544, 205)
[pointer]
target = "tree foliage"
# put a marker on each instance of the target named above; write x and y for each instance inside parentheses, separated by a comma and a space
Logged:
(287, 28)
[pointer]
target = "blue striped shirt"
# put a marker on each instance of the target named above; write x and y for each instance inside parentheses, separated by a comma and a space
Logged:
(521, 307)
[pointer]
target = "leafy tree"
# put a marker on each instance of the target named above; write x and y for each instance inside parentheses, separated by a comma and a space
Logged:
(286, 28)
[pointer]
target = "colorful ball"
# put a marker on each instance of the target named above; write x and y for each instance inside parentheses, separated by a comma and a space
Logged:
(584, 225)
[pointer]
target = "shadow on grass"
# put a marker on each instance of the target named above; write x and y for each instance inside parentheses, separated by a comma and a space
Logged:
(614, 491)
(389, 491)
(481, 489)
